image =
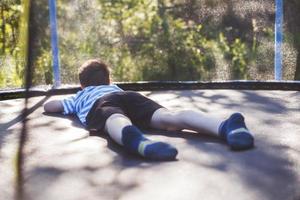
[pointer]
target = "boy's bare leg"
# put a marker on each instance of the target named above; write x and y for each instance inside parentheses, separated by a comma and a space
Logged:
(114, 126)
(185, 119)
(121, 130)
(233, 130)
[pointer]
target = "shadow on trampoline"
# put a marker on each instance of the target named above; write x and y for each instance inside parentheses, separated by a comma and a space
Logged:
(254, 99)
(75, 121)
(262, 169)
(266, 167)
(94, 163)
(19, 118)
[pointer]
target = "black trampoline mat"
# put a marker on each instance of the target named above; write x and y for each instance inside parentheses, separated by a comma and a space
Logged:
(63, 161)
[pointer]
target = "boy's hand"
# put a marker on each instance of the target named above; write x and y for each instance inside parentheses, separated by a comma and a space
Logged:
(54, 106)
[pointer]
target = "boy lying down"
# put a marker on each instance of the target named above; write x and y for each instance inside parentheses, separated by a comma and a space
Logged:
(103, 106)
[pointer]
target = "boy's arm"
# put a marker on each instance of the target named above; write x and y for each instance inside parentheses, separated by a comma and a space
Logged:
(54, 106)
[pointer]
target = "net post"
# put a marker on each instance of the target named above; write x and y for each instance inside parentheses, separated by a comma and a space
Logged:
(54, 43)
(278, 39)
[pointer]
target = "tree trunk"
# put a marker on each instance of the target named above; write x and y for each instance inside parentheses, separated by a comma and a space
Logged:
(297, 73)
(291, 16)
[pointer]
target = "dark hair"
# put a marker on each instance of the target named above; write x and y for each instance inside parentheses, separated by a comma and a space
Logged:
(93, 73)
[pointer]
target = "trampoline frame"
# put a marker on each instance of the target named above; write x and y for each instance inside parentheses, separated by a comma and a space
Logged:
(161, 85)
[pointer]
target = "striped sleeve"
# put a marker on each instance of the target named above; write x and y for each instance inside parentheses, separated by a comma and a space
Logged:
(69, 105)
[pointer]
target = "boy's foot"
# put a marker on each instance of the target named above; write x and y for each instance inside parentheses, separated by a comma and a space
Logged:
(134, 141)
(157, 150)
(235, 133)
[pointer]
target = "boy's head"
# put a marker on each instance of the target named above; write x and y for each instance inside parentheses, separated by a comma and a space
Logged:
(93, 73)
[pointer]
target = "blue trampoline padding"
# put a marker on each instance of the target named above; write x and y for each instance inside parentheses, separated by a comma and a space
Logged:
(54, 42)
(278, 39)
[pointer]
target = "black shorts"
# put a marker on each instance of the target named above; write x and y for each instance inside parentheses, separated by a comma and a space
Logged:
(138, 108)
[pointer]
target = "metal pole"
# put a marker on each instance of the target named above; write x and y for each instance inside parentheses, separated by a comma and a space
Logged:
(278, 39)
(26, 36)
(54, 43)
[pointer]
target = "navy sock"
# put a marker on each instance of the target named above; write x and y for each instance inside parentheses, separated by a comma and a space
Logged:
(134, 141)
(235, 133)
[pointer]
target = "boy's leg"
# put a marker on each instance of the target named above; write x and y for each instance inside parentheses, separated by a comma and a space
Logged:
(185, 119)
(233, 130)
(121, 130)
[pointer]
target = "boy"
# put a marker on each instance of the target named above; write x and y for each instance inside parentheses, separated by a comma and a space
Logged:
(103, 106)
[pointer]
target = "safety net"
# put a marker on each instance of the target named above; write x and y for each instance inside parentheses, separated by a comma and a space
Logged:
(144, 40)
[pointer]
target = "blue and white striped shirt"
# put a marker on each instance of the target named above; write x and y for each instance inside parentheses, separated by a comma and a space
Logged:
(82, 102)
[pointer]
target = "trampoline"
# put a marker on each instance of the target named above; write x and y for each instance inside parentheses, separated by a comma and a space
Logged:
(65, 161)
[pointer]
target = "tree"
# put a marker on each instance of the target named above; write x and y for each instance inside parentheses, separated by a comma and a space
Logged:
(291, 17)
(9, 24)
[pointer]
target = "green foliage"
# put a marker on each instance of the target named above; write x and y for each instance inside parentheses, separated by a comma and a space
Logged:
(43, 71)
(155, 45)
(239, 62)
(147, 40)
(140, 39)
(2, 79)
(9, 51)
